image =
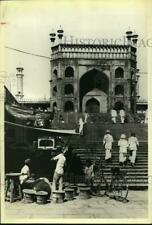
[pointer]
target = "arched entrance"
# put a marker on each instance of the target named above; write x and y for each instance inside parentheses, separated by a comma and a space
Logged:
(119, 105)
(93, 79)
(93, 106)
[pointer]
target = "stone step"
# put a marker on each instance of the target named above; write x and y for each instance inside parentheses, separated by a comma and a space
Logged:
(130, 180)
(141, 158)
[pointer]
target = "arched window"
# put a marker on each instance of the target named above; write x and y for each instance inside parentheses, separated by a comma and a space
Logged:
(119, 73)
(68, 89)
(54, 107)
(54, 104)
(69, 72)
(119, 90)
(55, 72)
(54, 90)
(68, 106)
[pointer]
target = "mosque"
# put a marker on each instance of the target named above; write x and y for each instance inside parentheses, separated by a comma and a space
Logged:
(93, 78)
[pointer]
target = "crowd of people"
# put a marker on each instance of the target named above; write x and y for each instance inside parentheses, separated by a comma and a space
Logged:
(125, 145)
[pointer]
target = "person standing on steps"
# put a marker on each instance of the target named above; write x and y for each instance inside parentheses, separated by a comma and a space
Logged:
(59, 170)
(146, 116)
(107, 142)
(123, 145)
(113, 115)
(81, 124)
(86, 117)
(133, 145)
(122, 115)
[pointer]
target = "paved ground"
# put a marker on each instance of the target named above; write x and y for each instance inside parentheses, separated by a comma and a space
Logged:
(92, 208)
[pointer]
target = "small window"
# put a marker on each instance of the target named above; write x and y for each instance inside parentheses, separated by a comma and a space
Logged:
(54, 91)
(68, 89)
(119, 90)
(69, 72)
(55, 72)
(119, 73)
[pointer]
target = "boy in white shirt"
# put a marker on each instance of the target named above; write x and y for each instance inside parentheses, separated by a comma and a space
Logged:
(59, 170)
(133, 144)
(123, 145)
(107, 142)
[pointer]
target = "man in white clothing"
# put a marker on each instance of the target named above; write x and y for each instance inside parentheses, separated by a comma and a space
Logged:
(59, 170)
(146, 116)
(122, 115)
(107, 142)
(123, 145)
(81, 124)
(133, 146)
(25, 171)
(113, 115)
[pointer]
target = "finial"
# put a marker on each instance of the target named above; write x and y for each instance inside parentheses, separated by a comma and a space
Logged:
(52, 35)
(60, 32)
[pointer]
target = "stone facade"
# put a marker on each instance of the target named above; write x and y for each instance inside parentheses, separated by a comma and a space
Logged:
(93, 78)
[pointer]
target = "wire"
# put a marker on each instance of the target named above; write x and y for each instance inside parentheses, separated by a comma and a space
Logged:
(18, 50)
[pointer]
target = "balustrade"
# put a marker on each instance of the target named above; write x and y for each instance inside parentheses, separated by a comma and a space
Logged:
(94, 52)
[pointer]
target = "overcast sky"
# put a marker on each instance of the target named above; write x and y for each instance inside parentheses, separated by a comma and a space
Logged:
(28, 24)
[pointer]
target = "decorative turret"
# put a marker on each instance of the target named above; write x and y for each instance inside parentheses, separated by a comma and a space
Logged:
(129, 36)
(60, 32)
(52, 37)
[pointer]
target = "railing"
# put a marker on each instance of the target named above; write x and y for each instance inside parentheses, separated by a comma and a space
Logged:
(93, 52)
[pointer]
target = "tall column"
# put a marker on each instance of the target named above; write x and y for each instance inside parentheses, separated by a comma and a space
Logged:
(19, 76)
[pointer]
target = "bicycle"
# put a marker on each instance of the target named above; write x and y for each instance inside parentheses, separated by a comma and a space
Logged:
(118, 187)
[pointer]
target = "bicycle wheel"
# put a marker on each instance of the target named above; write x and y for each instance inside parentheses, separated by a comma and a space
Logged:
(120, 188)
(101, 188)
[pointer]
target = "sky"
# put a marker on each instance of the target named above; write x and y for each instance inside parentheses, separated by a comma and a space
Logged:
(27, 25)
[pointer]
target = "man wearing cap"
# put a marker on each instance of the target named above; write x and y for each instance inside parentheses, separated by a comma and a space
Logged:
(107, 142)
(25, 171)
(123, 145)
(59, 170)
(133, 145)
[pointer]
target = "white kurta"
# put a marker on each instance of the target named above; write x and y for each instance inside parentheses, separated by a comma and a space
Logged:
(107, 141)
(122, 115)
(113, 115)
(123, 145)
(132, 144)
(25, 171)
(81, 123)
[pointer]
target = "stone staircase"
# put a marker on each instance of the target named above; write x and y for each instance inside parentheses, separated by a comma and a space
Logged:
(137, 176)
(90, 146)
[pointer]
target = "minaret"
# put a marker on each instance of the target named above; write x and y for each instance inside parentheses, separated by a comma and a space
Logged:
(19, 76)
